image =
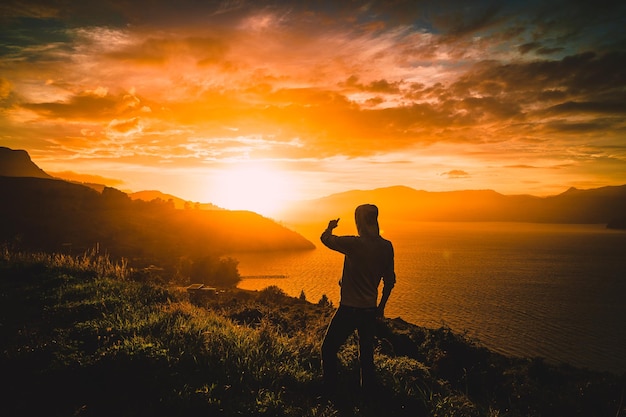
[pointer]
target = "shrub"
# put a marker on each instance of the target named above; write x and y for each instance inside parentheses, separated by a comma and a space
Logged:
(324, 301)
(271, 294)
(215, 271)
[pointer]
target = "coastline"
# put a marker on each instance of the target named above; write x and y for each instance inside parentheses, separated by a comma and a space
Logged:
(551, 291)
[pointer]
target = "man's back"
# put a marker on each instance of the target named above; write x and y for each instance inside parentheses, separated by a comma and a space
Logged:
(367, 260)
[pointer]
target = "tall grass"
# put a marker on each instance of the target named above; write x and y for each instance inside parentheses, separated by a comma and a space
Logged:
(90, 262)
(86, 337)
(100, 330)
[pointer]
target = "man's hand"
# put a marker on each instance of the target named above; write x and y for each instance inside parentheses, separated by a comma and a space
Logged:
(383, 302)
(333, 223)
(380, 311)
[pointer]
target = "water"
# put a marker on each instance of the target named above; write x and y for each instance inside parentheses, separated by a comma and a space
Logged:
(553, 291)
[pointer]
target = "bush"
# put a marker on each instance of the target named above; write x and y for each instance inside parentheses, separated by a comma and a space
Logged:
(324, 301)
(215, 271)
(271, 294)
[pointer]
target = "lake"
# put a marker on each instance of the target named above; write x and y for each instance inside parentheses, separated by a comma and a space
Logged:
(553, 291)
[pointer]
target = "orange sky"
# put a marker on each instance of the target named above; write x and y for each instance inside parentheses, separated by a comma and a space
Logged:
(245, 103)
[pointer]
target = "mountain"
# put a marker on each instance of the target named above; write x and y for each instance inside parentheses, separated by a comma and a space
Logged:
(400, 205)
(17, 163)
(56, 215)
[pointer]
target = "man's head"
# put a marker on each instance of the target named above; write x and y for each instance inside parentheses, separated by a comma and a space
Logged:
(366, 218)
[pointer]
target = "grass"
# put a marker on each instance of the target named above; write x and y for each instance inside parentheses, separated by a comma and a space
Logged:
(84, 336)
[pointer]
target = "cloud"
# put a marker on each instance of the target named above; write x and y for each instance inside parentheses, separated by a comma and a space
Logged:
(490, 83)
(465, 19)
(455, 173)
(157, 51)
(329, 121)
(521, 166)
(5, 88)
(376, 86)
(588, 107)
(128, 127)
(585, 73)
(93, 105)
(527, 47)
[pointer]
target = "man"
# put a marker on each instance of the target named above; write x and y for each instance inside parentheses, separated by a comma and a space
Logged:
(368, 258)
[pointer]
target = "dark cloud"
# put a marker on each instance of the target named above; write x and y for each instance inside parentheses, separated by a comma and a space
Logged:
(25, 34)
(539, 49)
(377, 86)
(527, 47)
(565, 126)
(616, 108)
(582, 83)
(455, 173)
(69, 14)
(467, 18)
(549, 51)
(203, 50)
(560, 27)
(521, 166)
(87, 106)
(453, 18)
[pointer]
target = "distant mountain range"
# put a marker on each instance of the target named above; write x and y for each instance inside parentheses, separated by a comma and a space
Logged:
(401, 205)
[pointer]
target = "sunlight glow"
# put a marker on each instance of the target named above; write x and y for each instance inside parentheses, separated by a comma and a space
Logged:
(348, 96)
(254, 186)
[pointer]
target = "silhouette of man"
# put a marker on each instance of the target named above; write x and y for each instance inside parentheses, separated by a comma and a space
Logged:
(368, 258)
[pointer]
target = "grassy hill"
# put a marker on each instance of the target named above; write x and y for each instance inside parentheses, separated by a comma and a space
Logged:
(85, 336)
(55, 215)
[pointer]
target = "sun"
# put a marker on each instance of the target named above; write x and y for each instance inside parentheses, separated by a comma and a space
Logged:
(253, 186)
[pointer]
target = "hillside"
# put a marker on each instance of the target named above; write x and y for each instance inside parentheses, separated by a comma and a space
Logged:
(54, 215)
(95, 339)
(17, 163)
(179, 203)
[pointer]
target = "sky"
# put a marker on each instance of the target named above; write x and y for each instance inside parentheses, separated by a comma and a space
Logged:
(248, 103)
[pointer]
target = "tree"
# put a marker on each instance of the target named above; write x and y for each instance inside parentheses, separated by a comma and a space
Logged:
(324, 301)
(214, 271)
(114, 198)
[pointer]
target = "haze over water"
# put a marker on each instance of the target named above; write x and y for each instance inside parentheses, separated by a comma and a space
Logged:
(554, 291)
